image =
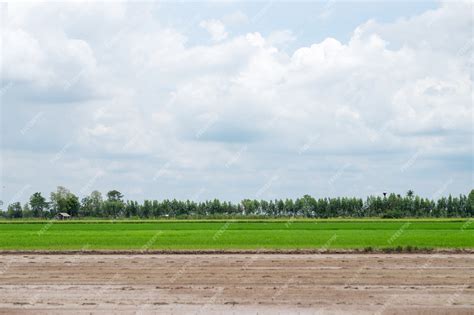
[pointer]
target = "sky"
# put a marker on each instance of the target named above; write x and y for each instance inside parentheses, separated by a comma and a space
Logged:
(234, 100)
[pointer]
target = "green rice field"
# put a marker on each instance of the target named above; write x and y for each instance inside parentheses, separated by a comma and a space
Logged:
(232, 234)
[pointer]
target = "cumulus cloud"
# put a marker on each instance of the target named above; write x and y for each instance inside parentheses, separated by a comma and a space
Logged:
(215, 28)
(166, 118)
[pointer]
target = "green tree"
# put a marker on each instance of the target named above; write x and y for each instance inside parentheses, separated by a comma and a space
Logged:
(14, 210)
(114, 195)
(64, 201)
(26, 212)
(114, 206)
(470, 203)
(38, 205)
(92, 205)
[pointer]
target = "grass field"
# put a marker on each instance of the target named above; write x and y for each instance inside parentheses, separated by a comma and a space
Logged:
(248, 234)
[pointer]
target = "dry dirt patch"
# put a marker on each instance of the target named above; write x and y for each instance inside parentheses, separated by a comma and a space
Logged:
(238, 283)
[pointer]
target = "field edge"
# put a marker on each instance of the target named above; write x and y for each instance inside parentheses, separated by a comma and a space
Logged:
(402, 250)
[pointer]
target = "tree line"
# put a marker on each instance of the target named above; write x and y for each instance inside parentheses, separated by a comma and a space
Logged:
(113, 205)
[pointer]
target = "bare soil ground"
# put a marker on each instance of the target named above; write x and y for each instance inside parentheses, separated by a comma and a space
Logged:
(252, 283)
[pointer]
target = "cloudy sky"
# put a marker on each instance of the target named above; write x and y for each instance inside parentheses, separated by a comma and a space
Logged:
(236, 99)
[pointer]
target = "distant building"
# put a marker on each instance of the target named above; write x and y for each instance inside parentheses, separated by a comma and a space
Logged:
(63, 216)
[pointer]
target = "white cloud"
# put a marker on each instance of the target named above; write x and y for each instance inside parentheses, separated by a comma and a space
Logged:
(391, 90)
(215, 28)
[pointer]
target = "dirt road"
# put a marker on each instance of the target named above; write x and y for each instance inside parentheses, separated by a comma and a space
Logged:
(237, 283)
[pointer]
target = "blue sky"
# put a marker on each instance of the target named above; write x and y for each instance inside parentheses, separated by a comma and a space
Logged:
(236, 99)
(311, 21)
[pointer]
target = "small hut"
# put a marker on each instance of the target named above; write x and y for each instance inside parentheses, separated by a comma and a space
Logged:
(63, 216)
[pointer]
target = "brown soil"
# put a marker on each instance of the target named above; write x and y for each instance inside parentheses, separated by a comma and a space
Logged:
(253, 283)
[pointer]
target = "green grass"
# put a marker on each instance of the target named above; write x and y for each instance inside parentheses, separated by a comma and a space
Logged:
(248, 234)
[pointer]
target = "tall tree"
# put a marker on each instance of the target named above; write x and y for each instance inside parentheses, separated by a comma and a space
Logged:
(114, 195)
(38, 205)
(470, 201)
(92, 205)
(64, 201)
(114, 206)
(14, 210)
